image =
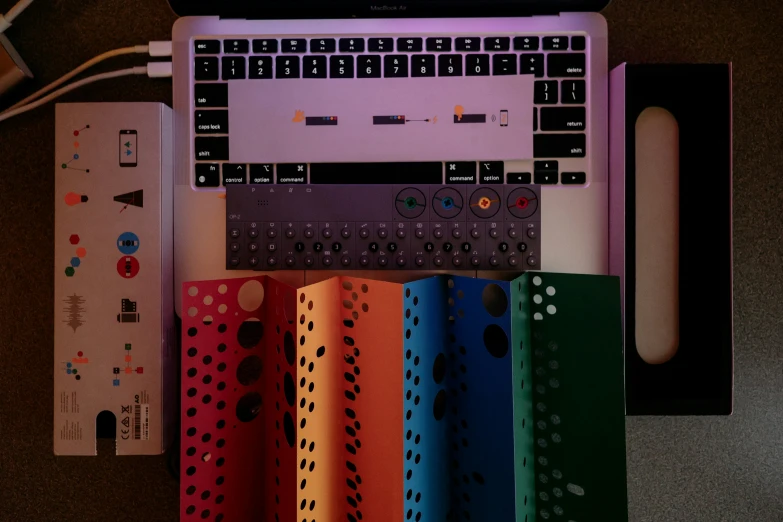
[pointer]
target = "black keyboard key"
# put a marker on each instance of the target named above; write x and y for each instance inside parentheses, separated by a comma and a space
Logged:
(578, 43)
(294, 45)
(259, 67)
(234, 174)
(545, 172)
(409, 45)
(439, 44)
(545, 92)
(261, 173)
(518, 178)
(233, 67)
(572, 91)
(461, 172)
(555, 43)
(341, 66)
(573, 178)
(420, 173)
(497, 43)
(292, 173)
(368, 66)
(491, 172)
(351, 45)
(287, 67)
(468, 44)
(559, 145)
(526, 43)
(422, 65)
(211, 122)
(323, 45)
(236, 46)
(207, 174)
(207, 46)
(212, 149)
(535, 119)
(504, 64)
(380, 45)
(563, 119)
(566, 65)
(314, 67)
(207, 68)
(450, 65)
(265, 46)
(531, 64)
(211, 94)
(477, 65)
(545, 178)
(395, 66)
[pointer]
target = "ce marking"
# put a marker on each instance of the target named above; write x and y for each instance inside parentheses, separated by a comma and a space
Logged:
(125, 435)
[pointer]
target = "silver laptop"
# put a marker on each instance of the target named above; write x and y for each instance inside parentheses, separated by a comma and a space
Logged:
(251, 77)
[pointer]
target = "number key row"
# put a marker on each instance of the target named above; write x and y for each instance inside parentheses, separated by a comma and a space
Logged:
(394, 66)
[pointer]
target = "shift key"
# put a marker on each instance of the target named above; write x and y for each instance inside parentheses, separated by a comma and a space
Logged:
(212, 149)
(559, 145)
(211, 122)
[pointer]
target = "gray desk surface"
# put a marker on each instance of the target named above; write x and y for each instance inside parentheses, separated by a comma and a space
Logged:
(689, 469)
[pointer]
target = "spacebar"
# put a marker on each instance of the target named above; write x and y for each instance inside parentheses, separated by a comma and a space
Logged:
(395, 173)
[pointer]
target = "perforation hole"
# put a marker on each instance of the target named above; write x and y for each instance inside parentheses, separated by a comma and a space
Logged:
(248, 406)
(496, 341)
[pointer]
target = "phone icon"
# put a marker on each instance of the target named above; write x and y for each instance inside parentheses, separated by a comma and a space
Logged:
(504, 118)
(128, 150)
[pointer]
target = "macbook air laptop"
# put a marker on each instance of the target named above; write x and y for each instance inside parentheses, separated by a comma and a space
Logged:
(254, 80)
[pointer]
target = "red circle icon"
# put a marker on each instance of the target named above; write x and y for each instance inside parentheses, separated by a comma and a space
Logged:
(128, 267)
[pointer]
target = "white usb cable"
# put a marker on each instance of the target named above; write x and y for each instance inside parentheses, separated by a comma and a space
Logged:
(152, 69)
(154, 49)
(10, 16)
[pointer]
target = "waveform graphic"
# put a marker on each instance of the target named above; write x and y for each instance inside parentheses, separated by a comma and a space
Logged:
(74, 310)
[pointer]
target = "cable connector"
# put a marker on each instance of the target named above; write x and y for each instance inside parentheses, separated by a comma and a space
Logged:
(160, 49)
(4, 24)
(159, 69)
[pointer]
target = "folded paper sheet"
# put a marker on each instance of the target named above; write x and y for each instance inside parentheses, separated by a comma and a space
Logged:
(449, 398)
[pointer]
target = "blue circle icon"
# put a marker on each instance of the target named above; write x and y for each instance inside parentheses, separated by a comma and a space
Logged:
(75, 156)
(69, 365)
(75, 262)
(69, 371)
(128, 243)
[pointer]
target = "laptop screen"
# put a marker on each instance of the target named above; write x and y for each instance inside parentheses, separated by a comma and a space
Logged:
(304, 9)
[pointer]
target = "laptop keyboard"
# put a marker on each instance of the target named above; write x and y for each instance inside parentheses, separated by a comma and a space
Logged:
(557, 65)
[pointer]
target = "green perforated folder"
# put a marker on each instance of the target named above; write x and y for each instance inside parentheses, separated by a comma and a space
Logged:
(569, 418)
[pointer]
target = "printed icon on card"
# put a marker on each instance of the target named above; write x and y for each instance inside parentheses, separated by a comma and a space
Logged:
(128, 151)
(69, 164)
(76, 260)
(73, 311)
(128, 243)
(72, 199)
(299, 116)
(128, 267)
(71, 367)
(128, 369)
(134, 199)
(128, 313)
